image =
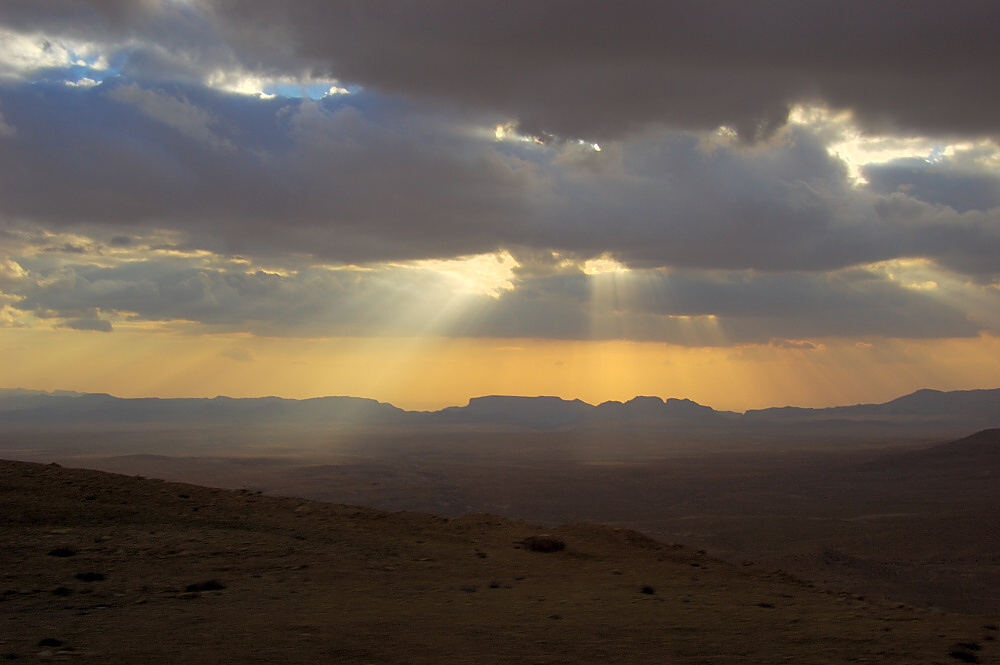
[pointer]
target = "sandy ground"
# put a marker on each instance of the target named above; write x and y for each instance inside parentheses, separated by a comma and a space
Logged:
(895, 520)
(115, 569)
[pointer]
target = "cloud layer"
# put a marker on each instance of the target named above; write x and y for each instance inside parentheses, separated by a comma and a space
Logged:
(284, 168)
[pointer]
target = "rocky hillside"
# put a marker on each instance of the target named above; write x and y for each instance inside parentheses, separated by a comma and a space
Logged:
(104, 568)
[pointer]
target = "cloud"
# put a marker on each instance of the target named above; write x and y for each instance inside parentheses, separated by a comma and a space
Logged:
(178, 113)
(802, 345)
(942, 182)
(144, 177)
(6, 131)
(696, 307)
(690, 307)
(589, 69)
(583, 69)
(239, 354)
(96, 325)
(360, 178)
(351, 178)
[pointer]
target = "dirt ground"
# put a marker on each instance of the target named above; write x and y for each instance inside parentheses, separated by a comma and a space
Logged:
(904, 521)
(115, 569)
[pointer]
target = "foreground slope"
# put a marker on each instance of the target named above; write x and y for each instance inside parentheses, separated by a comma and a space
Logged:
(108, 568)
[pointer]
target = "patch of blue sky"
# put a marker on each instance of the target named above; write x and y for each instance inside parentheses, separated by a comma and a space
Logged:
(306, 90)
(80, 70)
(937, 154)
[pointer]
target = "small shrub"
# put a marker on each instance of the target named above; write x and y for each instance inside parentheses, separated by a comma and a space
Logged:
(49, 642)
(62, 552)
(646, 589)
(208, 585)
(90, 577)
(960, 652)
(543, 544)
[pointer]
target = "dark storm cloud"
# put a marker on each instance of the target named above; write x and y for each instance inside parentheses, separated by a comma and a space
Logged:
(75, 15)
(595, 69)
(586, 68)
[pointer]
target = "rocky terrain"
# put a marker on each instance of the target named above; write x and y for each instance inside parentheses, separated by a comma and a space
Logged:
(108, 568)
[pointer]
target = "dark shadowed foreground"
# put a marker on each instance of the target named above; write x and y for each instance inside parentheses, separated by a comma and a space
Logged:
(113, 569)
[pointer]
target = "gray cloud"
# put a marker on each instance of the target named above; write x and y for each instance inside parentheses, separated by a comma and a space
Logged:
(744, 308)
(752, 240)
(230, 297)
(96, 325)
(585, 68)
(360, 178)
(593, 69)
(939, 183)
(678, 306)
(346, 180)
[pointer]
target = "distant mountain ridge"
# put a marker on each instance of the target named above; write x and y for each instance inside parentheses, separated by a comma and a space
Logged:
(956, 410)
(100, 408)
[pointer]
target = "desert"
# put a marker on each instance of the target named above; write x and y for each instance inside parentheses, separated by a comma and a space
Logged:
(359, 542)
(116, 569)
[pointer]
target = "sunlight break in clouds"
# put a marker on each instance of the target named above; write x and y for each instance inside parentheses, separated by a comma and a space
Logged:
(486, 274)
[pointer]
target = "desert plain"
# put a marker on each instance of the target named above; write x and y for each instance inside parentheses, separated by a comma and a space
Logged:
(395, 545)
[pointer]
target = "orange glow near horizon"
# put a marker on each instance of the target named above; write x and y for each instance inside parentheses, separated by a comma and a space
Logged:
(431, 373)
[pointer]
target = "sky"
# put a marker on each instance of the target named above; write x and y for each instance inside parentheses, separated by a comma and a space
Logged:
(744, 204)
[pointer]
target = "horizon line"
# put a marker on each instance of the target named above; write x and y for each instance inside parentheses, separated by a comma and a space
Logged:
(56, 392)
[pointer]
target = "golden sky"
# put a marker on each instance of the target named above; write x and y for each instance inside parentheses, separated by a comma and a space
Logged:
(431, 373)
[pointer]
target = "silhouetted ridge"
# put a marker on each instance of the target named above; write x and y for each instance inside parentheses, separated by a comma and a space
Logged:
(979, 404)
(980, 448)
(927, 412)
(652, 407)
(536, 412)
(100, 408)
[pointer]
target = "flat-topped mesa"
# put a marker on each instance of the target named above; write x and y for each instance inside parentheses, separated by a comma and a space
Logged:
(653, 407)
(542, 412)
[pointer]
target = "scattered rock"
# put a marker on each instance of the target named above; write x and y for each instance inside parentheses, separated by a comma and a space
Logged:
(543, 543)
